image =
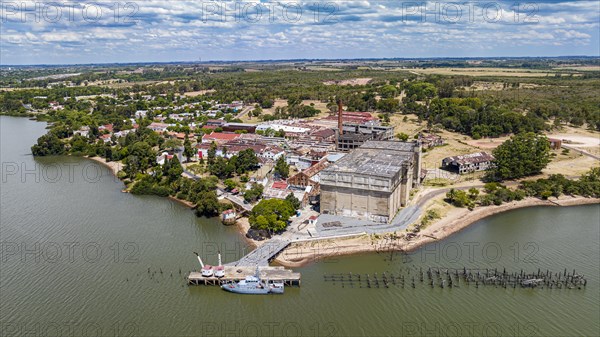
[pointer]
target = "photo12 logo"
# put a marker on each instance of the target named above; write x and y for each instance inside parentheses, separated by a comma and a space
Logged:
(89, 172)
(478, 252)
(472, 328)
(20, 329)
(469, 12)
(66, 11)
(69, 252)
(269, 12)
(272, 329)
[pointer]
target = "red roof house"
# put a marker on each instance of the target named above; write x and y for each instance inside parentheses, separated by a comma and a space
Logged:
(220, 137)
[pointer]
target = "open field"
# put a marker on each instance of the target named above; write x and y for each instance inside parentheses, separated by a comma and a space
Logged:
(354, 81)
(283, 103)
(197, 93)
(485, 72)
(580, 68)
(578, 137)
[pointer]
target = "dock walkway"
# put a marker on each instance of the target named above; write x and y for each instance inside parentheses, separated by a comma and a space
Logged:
(263, 254)
(237, 273)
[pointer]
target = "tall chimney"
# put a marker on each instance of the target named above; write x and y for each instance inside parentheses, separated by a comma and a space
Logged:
(340, 118)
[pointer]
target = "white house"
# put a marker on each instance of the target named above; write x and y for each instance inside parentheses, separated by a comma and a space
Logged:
(160, 160)
(158, 127)
(141, 114)
(273, 153)
(83, 131)
(285, 128)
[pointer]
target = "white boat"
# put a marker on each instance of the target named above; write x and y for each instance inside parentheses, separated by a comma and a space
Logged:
(253, 285)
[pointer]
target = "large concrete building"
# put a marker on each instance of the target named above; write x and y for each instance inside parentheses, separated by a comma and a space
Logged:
(355, 135)
(372, 182)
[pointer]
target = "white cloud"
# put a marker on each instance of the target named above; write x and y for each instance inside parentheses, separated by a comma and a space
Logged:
(374, 28)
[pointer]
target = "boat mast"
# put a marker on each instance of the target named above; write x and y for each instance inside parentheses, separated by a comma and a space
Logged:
(220, 258)
(200, 260)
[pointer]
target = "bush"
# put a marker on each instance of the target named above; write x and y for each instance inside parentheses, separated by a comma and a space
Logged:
(146, 186)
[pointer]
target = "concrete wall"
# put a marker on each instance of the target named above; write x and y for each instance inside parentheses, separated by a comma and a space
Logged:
(351, 202)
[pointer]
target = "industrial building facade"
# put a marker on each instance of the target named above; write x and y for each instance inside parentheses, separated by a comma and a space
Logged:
(354, 135)
(372, 182)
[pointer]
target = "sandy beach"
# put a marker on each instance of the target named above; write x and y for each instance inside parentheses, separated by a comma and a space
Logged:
(114, 166)
(299, 254)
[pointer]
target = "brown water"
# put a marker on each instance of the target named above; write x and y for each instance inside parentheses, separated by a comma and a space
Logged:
(81, 258)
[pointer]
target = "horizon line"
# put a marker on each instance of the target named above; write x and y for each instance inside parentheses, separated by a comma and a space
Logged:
(300, 59)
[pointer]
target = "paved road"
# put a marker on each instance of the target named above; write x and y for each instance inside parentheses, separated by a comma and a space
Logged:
(238, 201)
(244, 111)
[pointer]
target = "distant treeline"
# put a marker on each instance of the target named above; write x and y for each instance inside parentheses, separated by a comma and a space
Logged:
(445, 101)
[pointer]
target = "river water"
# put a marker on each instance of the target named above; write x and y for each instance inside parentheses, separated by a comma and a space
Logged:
(80, 258)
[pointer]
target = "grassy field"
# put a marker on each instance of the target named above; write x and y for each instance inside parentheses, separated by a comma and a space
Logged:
(283, 103)
(487, 72)
(569, 164)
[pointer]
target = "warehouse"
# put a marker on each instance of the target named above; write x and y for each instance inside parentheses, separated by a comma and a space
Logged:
(372, 182)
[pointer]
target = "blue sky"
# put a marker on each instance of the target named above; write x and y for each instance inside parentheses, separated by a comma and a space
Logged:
(162, 31)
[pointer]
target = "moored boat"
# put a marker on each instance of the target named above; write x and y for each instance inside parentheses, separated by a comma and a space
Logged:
(254, 285)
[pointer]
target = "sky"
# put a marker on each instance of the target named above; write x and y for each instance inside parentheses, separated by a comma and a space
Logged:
(70, 32)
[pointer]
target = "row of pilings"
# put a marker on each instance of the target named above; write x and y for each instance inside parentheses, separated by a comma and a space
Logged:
(439, 277)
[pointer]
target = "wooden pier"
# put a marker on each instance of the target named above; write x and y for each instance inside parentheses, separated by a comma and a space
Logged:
(234, 274)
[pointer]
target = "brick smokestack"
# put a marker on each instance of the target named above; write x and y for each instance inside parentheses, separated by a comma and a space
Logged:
(340, 119)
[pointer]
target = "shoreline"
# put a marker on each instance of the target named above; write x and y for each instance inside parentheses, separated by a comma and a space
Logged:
(113, 166)
(303, 253)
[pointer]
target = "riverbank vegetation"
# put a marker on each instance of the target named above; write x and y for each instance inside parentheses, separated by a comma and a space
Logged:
(520, 156)
(554, 186)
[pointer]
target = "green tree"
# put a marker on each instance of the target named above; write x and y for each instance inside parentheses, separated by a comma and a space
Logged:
(282, 168)
(473, 193)
(48, 145)
(188, 150)
(212, 153)
(271, 214)
(522, 155)
(254, 193)
(294, 202)
(388, 91)
(207, 203)
(257, 111)
(421, 91)
(230, 184)
(172, 144)
(458, 198)
(388, 105)
(246, 161)
(402, 136)
(221, 168)
(174, 170)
